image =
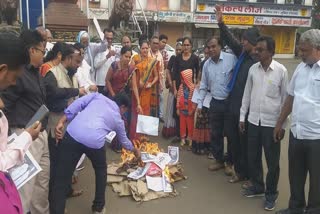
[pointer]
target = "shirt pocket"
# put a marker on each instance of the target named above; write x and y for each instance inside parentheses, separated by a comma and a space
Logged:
(273, 88)
(315, 89)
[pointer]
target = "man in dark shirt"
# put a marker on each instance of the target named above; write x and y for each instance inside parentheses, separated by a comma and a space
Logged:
(62, 88)
(245, 51)
(21, 103)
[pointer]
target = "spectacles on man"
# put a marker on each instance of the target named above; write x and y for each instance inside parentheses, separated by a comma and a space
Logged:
(42, 51)
(109, 38)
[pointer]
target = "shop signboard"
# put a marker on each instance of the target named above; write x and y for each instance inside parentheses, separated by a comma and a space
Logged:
(256, 10)
(174, 16)
(279, 21)
(150, 15)
(204, 18)
(238, 20)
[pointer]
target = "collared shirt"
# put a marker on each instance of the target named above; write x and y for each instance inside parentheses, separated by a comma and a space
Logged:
(216, 76)
(24, 99)
(13, 153)
(102, 65)
(264, 94)
(92, 118)
(83, 76)
(305, 88)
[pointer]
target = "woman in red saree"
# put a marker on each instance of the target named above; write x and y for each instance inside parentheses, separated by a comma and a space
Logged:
(145, 99)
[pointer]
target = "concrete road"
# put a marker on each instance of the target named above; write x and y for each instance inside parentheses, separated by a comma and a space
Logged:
(203, 192)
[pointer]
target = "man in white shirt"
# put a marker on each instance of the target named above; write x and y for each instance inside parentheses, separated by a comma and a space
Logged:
(103, 61)
(264, 95)
(304, 143)
(83, 72)
(90, 51)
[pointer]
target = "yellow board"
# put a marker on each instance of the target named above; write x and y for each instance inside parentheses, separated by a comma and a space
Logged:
(238, 20)
(284, 38)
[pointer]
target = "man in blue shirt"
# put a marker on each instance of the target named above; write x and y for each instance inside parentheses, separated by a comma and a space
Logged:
(216, 75)
(91, 118)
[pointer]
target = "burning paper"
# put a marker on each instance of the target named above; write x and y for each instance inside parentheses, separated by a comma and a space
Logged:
(154, 183)
(150, 178)
(154, 170)
(173, 152)
(162, 160)
(167, 187)
(140, 172)
(146, 157)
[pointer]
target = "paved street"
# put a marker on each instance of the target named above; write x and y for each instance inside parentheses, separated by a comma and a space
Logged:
(203, 192)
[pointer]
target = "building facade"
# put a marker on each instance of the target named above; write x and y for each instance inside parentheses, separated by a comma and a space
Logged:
(279, 19)
(195, 18)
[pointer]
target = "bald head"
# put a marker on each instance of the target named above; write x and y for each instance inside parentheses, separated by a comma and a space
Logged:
(43, 33)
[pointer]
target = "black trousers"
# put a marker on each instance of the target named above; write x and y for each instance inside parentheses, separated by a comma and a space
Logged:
(218, 117)
(69, 153)
(102, 90)
(53, 151)
(176, 117)
(238, 144)
(304, 158)
(262, 137)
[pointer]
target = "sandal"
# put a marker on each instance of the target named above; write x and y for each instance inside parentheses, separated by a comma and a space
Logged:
(75, 193)
(236, 179)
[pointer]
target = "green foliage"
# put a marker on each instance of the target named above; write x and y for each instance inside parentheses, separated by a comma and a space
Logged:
(95, 39)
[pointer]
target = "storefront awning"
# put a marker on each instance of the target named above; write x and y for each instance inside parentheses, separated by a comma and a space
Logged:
(216, 26)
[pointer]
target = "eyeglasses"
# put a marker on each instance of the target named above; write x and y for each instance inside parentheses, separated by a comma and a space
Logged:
(186, 45)
(155, 43)
(42, 51)
(109, 38)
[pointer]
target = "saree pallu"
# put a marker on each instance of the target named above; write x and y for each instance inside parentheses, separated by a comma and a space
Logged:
(45, 68)
(149, 97)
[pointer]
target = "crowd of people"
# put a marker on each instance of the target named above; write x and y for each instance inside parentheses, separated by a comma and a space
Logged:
(244, 97)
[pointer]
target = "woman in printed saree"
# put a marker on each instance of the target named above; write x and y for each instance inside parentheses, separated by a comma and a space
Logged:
(145, 99)
(118, 81)
(120, 74)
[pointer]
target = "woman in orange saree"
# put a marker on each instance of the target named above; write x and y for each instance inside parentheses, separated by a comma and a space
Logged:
(145, 99)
